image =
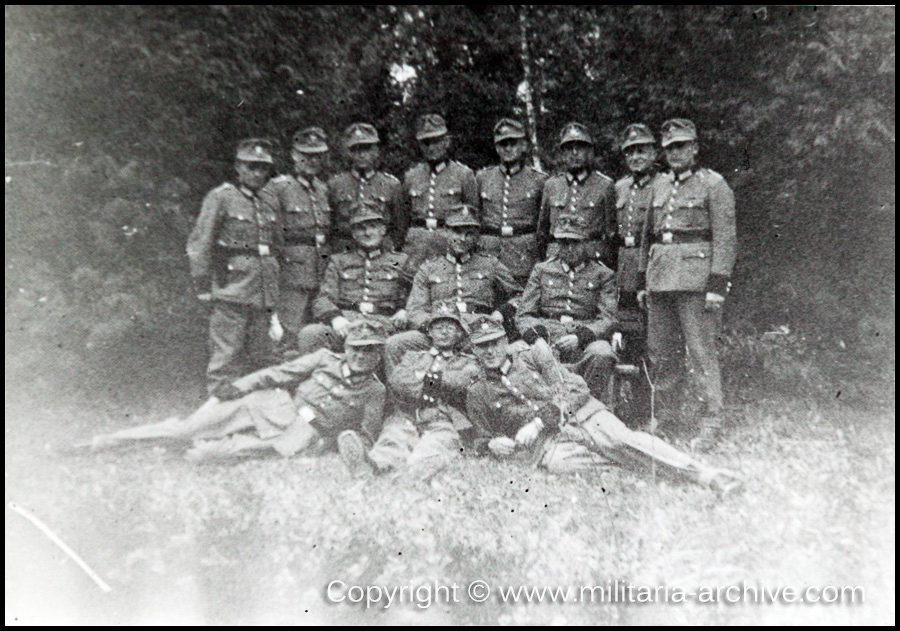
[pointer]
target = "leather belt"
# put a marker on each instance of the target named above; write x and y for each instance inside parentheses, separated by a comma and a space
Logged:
(262, 249)
(516, 232)
(368, 308)
(668, 237)
(421, 222)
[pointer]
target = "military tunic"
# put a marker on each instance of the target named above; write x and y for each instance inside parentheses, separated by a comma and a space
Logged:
(302, 206)
(231, 250)
(510, 208)
(583, 433)
(588, 199)
(424, 430)
(633, 201)
(357, 284)
(327, 399)
(347, 190)
(580, 301)
(692, 231)
(429, 193)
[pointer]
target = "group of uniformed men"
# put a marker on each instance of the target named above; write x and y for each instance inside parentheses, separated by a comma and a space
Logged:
(488, 302)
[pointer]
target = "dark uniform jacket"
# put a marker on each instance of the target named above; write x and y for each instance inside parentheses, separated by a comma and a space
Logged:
(302, 207)
(429, 193)
(443, 400)
(232, 247)
(374, 283)
(503, 401)
(633, 202)
(476, 284)
(338, 399)
(570, 300)
(588, 200)
(693, 233)
(510, 209)
(348, 189)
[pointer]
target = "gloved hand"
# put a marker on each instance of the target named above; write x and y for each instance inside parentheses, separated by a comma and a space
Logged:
(529, 433)
(227, 392)
(531, 335)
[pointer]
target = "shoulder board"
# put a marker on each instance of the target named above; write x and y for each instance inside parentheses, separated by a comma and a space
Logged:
(557, 177)
(460, 165)
(412, 170)
(535, 170)
(224, 186)
(626, 181)
(711, 175)
(281, 179)
(389, 177)
(603, 176)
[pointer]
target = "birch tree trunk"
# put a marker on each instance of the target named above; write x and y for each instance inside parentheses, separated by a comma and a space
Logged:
(527, 92)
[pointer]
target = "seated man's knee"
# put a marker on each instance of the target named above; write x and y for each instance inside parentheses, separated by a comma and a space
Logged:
(601, 351)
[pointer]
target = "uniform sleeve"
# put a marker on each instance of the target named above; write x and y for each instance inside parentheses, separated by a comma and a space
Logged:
(604, 323)
(202, 240)
(404, 214)
(373, 414)
(724, 235)
(529, 310)
(270, 200)
(542, 232)
(470, 191)
(289, 373)
(569, 388)
(609, 213)
(324, 307)
(505, 284)
(397, 218)
(418, 305)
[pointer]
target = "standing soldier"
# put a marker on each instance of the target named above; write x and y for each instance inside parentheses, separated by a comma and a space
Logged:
(473, 282)
(430, 189)
(581, 191)
(301, 203)
(231, 255)
(367, 283)
(570, 301)
(511, 202)
(362, 183)
(430, 388)
(690, 261)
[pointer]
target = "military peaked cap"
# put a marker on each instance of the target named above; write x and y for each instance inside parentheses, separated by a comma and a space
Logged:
(360, 134)
(255, 150)
(484, 328)
(461, 216)
(431, 126)
(575, 132)
(507, 128)
(637, 134)
(311, 140)
(365, 333)
(570, 227)
(678, 130)
(366, 211)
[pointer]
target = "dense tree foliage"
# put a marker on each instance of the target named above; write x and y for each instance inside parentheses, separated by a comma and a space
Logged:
(119, 119)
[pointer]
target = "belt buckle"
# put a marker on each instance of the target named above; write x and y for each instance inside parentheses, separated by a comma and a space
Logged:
(564, 319)
(506, 231)
(667, 237)
(462, 307)
(307, 414)
(320, 238)
(629, 241)
(431, 223)
(263, 249)
(366, 307)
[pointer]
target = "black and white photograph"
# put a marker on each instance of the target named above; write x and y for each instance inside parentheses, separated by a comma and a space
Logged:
(450, 315)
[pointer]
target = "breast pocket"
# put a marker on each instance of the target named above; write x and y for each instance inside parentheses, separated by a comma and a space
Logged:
(693, 214)
(239, 230)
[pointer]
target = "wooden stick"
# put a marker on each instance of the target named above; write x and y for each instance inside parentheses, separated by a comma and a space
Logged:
(59, 542)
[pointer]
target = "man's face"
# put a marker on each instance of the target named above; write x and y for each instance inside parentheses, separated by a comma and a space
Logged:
(639, 158)
(364, 157)
(511, 150)
(463, 240)
(253, 175)
(363, 359)
(435, 149)
(491, 354)
(445, 333)
(307, 164)
(369, 234)
(680, 156)
(576, 155)
(571, 251)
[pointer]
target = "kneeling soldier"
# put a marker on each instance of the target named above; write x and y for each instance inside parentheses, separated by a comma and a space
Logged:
(473, 282)
(257, 414)
(368, 282)
(570, 301)
(430, 389)
(527, 400)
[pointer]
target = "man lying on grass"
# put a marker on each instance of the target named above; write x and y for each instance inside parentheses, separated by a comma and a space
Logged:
(529, 403)
(256, 414)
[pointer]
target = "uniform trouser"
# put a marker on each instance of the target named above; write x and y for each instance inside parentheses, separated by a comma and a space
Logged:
(239, 342)
(596, 366)
(678, 319)
(293, 309)
(260, 421)
(598, 438)
(425, 447)
(518, 253)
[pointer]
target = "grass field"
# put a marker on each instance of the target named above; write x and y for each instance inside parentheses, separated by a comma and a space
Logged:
(259, 541)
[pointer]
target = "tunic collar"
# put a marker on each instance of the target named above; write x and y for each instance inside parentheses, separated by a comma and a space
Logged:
(459, 260)
(440, 166)
(512, 169)
(365, 176)
(580, 176)
(246, 191)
